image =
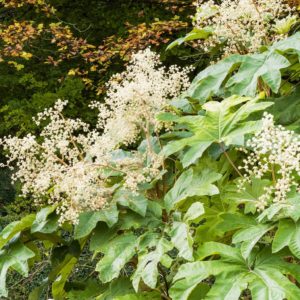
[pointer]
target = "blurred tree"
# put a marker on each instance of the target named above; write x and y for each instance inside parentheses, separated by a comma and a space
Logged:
(44, 46)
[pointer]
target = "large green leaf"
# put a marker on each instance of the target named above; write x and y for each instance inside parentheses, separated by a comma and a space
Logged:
(248, 237)
(209, 81)
(65, 270)
(249, 195)
(15, 228)
(121, 289)
(234, 221)
(89, 220)
(195, 34)
(192, 182)
(86, 291)
(136, 202)
(291, 43)
(223, 123)
(118, 287)
(147, 269)
(46, 220)
(63, 261)
(249, 230)
(288, 234)
(200, 291)
(286, 110)
(262, 273)
(182, 240)
(265, 66)
(15, 256)
(209, 228)
(119, 251)
(187, 279)
(101, 236)
(140, 296)
(290, 208)
(131, 220)
(194, 212)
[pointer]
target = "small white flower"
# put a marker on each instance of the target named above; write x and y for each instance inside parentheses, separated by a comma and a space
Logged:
(246, 25)
(276, 152)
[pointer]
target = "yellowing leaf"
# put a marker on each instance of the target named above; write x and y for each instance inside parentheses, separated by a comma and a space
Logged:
(72, 72)
(26, 55)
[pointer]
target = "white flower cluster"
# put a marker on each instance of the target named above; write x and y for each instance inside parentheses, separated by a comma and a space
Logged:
(137, 95)
(244, 25)
(53, 167)
(275, 153)
(70, 164)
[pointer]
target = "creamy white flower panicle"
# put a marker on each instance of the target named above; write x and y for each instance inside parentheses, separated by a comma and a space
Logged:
(275, 151)
(54, 167)
(244, 25)
(69, 164)
(137, 95)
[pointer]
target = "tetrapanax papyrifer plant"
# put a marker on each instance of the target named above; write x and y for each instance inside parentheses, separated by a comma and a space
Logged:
(181, 192)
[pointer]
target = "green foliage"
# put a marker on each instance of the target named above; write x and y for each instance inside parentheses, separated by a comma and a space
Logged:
(250, 72)
(14, 257)
(18, 112)
(195, 34)
(119, 251)
(286, 109)
(223, 123)
(192, 183)
(287, 235)
(28, 86)
(261, 272)
(190, 233)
